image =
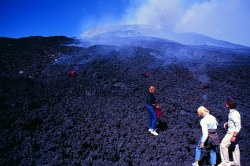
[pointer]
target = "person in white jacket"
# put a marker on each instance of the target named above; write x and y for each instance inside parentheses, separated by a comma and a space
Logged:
(208, 123)
(233, 127)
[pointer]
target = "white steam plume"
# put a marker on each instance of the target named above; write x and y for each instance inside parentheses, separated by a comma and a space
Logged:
(227, 20)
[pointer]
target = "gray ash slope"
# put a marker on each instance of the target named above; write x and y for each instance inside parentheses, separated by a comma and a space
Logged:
(99, 116)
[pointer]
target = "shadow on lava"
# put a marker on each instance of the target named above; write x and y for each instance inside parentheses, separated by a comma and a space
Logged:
(161, 125)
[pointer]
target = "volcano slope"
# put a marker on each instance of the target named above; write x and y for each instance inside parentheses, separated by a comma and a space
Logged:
(99, 116)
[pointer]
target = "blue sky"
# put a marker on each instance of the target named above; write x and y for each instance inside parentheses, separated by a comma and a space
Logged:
(55, 17)
(227, 20)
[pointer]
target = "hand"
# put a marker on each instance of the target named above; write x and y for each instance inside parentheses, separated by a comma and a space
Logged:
(202, 145)
(233, 139)
(225, 125)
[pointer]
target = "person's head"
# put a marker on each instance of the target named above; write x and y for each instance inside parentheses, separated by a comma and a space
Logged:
(202, 111)
(231, 103)
(151, 89)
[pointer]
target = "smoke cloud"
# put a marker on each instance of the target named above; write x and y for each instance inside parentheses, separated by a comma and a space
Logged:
(227, 20)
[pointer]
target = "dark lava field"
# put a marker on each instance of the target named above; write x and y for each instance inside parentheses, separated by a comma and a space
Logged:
(99, 117)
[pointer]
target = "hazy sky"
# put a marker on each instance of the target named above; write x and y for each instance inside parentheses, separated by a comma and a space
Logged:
(227, 20)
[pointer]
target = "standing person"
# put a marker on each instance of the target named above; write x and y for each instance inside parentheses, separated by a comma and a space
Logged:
(233, 127)
(151, 103)
(209, 136)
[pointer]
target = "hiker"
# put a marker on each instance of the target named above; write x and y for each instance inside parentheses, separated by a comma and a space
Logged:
(209, 139)
(72, 73)
(230, 140)
(151, 103)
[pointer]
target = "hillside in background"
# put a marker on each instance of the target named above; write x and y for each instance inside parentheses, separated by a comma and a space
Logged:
(137, 30)
(99, 117)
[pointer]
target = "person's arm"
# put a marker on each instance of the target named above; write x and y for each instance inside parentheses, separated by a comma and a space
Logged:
(225, 125)
(204, 133)
(234, 136)
(237, 122)
(155, 105)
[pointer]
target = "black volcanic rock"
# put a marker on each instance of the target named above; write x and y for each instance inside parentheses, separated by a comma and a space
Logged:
(99, 117)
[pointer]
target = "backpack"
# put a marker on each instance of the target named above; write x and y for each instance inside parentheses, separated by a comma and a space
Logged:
(158, 112)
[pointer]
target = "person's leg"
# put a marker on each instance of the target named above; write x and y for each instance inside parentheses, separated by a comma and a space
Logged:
(198, 151)
(213, 155)
(154, 119)
(150, 117)
(236, 155)
(225, 143)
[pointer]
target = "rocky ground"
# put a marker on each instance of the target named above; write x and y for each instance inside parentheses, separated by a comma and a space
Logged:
(99, 116)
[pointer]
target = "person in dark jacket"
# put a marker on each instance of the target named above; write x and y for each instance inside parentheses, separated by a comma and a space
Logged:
(151, 104)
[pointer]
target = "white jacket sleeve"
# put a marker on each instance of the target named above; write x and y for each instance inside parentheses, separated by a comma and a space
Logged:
(204, 131)
(237, 120)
